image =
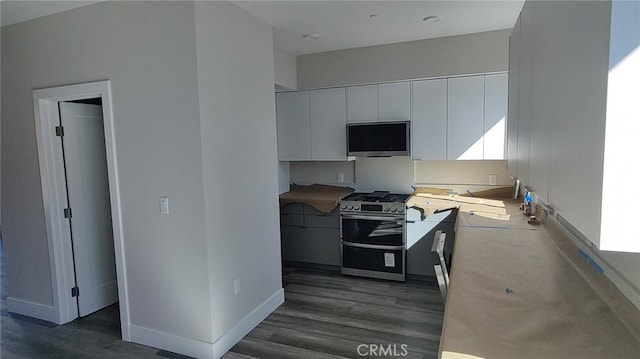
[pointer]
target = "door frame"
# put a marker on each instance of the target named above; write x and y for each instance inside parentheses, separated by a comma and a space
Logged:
(47, 117)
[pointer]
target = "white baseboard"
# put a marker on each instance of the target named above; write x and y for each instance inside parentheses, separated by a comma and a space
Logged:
(171, 342)
(200, 349)
(233, 336)
(31, 309)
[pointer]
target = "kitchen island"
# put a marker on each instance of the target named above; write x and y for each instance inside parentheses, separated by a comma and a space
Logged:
(514, 294)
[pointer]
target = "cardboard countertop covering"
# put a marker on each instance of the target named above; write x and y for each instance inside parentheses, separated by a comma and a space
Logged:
(324, 198)
(548, 311)
(477, 211)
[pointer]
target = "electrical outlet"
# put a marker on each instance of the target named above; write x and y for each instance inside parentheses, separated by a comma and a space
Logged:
(493, 180)
(236, 286)
(340, 177)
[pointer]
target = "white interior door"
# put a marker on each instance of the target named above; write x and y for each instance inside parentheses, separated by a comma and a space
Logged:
(88, 193)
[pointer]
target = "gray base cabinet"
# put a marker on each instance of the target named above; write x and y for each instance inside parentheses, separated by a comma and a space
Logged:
(313, 237)
(420, 235)
(310, 236)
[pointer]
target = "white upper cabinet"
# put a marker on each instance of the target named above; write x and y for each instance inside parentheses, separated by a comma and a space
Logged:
(362, 104)
(460, 118)
(512, 117)
(429, 120)
(292, 117)
(495, 116)
(394, 102)
(328, 124)
(465, 127)
(387, 102)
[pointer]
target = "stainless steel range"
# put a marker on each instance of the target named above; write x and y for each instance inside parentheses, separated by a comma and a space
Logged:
(373, 235)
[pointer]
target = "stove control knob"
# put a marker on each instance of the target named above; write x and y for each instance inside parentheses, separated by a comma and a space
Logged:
(386, 209)
(394, 209)
(356, 207)
(343, 206)
(350, 206)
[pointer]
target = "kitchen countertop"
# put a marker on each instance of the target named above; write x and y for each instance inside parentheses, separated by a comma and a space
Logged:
(324, 198)
(550, 312)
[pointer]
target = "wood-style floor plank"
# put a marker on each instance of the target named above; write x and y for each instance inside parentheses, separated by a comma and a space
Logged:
(325, 315)
(331, 315)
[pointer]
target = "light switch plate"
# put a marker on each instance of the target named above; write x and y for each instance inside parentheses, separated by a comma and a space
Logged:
(164, 205)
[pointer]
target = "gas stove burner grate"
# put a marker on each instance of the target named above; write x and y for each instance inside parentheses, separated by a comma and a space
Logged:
(377, 196)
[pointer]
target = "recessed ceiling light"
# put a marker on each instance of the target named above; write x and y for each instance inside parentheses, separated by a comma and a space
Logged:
(311, 36)
(431, 19)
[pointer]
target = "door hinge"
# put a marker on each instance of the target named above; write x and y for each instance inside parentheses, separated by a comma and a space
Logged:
(75, 291)
(67, 213)
(59, 131)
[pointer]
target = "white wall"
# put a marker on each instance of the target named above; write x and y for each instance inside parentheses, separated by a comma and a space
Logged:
(194, 124)
(239, 151)
(472, 173)
(393, 174)
(147, 50)
(400, 173)
(284, 177)
(285, 69)
(324, 172)
(446, 56)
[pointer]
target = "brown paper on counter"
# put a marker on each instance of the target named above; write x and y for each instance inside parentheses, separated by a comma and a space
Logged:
(551, 313)
(324, 198)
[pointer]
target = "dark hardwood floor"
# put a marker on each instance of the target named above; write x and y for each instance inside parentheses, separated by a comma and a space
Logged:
(326, 315)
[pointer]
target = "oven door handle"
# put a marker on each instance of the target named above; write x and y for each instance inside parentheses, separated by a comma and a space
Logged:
(372, 246)
(398, 220)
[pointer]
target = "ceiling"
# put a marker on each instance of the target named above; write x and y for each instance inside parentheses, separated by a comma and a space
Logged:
(14, 11)
(347, 24)
(338, 24)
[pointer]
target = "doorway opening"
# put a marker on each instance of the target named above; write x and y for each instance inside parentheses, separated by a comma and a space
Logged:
(77, 154)
(88, 211)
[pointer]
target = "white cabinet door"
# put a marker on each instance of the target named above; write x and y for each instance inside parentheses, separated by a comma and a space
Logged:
(328, 124)
(495, 116)
(429, 120)
(292, 117)
(362, 104)
(525, 81)
(465, 118)
(512, 117)
(394, 102)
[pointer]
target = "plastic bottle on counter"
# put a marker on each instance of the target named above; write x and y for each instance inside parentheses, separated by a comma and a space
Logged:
(527, 204)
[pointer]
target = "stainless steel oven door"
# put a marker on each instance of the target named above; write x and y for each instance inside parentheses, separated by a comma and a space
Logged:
(373, 229)
(383, 262)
